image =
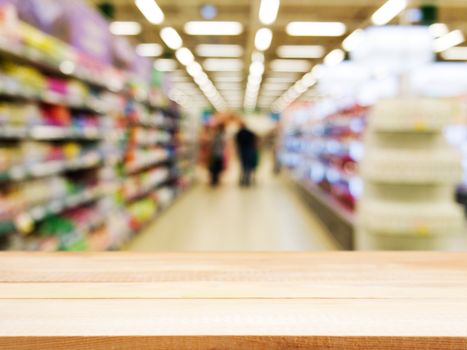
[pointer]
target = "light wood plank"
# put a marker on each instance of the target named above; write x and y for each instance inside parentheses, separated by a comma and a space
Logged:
(293, 317)
(233, 301)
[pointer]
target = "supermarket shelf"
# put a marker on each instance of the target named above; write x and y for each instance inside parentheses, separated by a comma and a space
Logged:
(35, 58)
(23, 172)
(56, 206)
(40, 133)
(140, 167)
(72, 102)
(146, 191)
(338, 219)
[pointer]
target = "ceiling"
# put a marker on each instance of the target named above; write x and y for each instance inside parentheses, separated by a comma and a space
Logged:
(353, 13)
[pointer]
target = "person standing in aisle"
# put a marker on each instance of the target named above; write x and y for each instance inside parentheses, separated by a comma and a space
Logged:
(247, 148)
(217, 157)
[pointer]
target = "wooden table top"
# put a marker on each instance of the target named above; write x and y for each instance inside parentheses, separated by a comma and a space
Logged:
(343, 300)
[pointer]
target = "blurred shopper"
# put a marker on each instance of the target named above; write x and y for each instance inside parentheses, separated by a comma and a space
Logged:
(217, 155)
(247, 148)
(204, 142)
(276, 145)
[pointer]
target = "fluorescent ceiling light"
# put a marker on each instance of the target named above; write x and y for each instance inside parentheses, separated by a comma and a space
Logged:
(257, 57)
(194, 69)
(438, 30)
(263, 39)
(300, 51)
(268, 11)
(334, 57)
(316, 28)
(125, 28)
(149, 50)
(308, 80)
(202, 79)
(455, 53)
(290, 65)
(353, 40)
(208, 50)
(184, 56)
(150, 10)
(165, 65)
(388, 11)
(171, 38)
(223, 64)
(213, 28)
(449, 40)
(256, 68)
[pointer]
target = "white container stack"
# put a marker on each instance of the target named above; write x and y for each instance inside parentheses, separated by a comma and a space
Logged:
(410, 174)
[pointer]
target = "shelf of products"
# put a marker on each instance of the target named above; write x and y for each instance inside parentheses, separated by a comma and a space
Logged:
(87, 157)
(324, 151)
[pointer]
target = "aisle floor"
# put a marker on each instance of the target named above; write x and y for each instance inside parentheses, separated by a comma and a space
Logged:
(267, 217)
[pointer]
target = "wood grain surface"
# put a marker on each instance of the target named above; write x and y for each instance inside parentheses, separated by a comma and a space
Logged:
(344, 300)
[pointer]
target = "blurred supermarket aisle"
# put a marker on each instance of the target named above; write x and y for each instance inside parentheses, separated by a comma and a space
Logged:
(269, 217)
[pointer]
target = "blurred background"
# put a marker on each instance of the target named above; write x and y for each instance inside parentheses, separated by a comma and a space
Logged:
(246, 125)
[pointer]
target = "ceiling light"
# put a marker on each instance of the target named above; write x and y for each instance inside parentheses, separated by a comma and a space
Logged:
(449, 40)
(257, 57)
(208, 50)
(149, 50)
(388, 11)
(438, 30)
(184, 56)
(201, 79)
(268, 11)
(150, 10)
(309, 80)
(125, 28)
(353, 40)
(290, 65)
(300, 51)
(171, 38)
(455, 53)
(299, 87)
(256, 68)
(165, 65)
(316, 28)
(263, 39)
(223, 64)
(194, 69)
(213, 28)
(334, 57)
(254, 79)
